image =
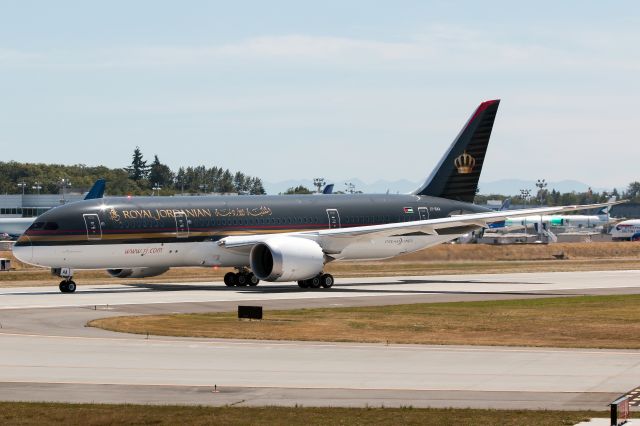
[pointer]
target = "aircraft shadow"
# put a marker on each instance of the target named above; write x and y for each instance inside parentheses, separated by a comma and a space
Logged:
(352, 288)
(347, 288)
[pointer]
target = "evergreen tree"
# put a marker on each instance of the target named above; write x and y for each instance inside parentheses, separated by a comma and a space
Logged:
(300, 189)
(240, 182)
(138, 169)
(256, 187)
(180, 179)
(160, 174)
(226, 182)
(633, 190)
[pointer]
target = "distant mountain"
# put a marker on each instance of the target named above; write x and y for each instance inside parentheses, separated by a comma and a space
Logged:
(513, 186)
(503, 186)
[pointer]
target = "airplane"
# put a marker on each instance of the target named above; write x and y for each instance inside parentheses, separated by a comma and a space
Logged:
(270, 238)
(15, 226)
(328, 189)
(627, 230)
(601, 218)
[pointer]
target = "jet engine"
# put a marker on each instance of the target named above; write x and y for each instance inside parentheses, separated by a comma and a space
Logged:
(286, 259)
(137, 272)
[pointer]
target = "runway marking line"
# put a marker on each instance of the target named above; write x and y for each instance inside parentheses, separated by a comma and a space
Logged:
(222, 342)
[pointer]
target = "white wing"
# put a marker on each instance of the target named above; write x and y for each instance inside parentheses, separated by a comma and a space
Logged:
(336, 239)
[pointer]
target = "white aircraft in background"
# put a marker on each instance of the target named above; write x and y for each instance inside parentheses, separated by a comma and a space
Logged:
(626, 230)
(580, 221)
(13, 227)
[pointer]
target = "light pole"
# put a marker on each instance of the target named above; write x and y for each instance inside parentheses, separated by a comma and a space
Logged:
(64, 184)
(525, 194)
(350, 187)
(541, 184)
(318, 183)
(37, 186)
(22, 185)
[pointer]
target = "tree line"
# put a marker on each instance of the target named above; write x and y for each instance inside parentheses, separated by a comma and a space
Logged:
(139, 178)
(556, 198)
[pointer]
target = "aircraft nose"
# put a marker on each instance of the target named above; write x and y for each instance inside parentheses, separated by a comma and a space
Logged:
(23, 250)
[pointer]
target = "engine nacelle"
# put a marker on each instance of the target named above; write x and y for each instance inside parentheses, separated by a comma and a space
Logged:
(286, 259)
(137, 272)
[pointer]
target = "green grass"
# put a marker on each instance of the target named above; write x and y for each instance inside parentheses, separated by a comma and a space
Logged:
(581, 322)
(95, 414)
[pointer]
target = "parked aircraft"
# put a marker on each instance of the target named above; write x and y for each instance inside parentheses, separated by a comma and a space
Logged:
(601, 218)
(270, 238)
(626, 230)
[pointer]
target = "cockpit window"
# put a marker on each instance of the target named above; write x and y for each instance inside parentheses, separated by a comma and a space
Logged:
(36, 225)
(50, 226)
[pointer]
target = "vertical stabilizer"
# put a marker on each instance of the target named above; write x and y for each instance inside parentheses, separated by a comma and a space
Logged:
(458, 172)
(96, 191)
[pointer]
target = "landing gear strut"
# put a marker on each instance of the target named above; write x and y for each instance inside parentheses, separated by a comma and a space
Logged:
(322, 280)
(241, 278)
(67, 285)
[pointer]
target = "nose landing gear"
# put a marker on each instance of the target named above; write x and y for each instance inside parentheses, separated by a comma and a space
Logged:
(67, 285)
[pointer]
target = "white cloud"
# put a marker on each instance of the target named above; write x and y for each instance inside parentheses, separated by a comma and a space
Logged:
(440, 48)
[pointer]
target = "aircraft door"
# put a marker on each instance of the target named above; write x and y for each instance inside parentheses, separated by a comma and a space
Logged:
(92, 223)
(424, 213)
(182, 224)
(334, 218)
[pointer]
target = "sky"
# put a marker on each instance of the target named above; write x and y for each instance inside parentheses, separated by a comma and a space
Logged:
(289, 89)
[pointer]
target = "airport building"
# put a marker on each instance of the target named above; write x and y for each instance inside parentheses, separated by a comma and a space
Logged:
(32, 205)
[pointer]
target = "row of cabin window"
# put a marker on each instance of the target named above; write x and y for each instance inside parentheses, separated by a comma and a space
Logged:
(358, 220)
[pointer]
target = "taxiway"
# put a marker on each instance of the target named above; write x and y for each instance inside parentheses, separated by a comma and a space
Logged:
(46, 352)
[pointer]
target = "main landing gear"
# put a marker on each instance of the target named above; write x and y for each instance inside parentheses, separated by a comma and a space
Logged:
(240, 279)
(322, 280)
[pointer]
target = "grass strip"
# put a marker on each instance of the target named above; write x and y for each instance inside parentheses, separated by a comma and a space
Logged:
(611, 322)
(19, 413)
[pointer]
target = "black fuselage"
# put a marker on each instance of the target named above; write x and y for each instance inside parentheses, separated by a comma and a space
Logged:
(126, 220)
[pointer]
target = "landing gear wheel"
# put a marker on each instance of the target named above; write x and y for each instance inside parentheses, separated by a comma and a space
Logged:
(67, 286)
(253, 280)
(241, 279)
(326, 280)
(315, 282)
(230, 279)
(303, 284)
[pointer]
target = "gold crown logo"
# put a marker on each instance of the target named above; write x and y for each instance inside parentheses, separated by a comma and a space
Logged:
(114, 215)
(465, 163)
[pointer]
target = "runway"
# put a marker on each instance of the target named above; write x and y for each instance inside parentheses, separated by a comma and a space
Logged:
(490, 285)
(46, 353)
